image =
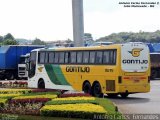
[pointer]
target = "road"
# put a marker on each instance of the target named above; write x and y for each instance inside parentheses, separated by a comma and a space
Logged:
(141, 103)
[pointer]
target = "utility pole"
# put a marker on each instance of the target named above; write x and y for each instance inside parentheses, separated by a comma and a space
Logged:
(78, 26)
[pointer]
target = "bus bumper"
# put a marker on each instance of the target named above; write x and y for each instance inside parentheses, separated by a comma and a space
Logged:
(134, 88)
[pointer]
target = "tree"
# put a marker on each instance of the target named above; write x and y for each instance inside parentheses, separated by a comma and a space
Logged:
(38, 42)
(10, 42)
(1, 39)
(8, 36)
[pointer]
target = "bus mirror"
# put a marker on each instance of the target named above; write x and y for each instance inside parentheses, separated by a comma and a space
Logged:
(27, 65)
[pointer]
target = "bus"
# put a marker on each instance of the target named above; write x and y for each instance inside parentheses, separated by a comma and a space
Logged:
(117, 69)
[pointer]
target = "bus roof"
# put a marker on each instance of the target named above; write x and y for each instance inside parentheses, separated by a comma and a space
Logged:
(114, 46)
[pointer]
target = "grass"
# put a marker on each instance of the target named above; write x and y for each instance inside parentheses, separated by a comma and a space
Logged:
(30, 117)
(112, 110)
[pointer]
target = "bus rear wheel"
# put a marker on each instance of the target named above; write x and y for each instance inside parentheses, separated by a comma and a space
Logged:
(154, 74)
(87, 88)
(97, 92)
(112, 95)
(124, 95)
(41, 84)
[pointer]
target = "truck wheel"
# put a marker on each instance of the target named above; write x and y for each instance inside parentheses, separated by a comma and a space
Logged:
(154, 74)
(10, 76)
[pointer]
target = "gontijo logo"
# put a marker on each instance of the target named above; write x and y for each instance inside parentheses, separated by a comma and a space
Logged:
(135, 52)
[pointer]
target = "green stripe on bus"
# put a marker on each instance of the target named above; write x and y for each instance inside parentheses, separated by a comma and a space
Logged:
(55, 74)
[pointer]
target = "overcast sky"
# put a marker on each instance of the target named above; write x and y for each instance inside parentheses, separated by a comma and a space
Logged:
(52, 19)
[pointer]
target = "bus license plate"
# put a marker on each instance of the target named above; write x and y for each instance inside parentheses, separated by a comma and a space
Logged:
(135, 79)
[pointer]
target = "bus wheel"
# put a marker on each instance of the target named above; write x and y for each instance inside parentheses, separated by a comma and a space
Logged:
(87, 87)
(112, 95)
(41, 84)
(124, 95)
(97, 90)
(154, 74)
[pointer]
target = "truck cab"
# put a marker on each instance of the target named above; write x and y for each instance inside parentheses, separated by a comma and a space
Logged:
(22, 67)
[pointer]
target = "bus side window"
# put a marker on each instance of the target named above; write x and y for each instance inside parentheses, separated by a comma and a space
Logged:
(113, 56)
(46, 57)
(106, 57)
(51, 57)
(61, 57)
(79, 57)
(41, 57)
(56, 57)
(99, 57)
(86, 57)
(73, 57)
(66, 58)
(92, 57)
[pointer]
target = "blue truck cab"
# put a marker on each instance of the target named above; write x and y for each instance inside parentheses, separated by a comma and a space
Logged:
(10, 58)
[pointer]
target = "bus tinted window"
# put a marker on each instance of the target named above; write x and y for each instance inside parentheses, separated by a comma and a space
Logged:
(109, 57)
(46, 57)
(66, 57)
(61, 57)
(106, 57)
(51, 57)
(79, 57)
(86, 57)
(56, 57)
(73, 57)
(114, 57)
(33, 56)
(99, 57)
(92, 57)
(41, 57)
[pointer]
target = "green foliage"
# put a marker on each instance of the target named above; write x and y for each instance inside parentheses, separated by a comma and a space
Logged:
(9, 36)
(42, 93)
(85, 111)
(59, 102)
(141, 36)
(38, 42)
(9, 42)
(112, 110)
(1, 39)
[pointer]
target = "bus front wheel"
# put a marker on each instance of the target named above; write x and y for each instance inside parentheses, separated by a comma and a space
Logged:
(87, 87)
(41, 84)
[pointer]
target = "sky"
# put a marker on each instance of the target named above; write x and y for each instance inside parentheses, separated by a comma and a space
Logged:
(51, 20)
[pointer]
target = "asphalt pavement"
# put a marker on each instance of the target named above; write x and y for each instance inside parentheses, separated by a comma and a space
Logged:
(141, 103)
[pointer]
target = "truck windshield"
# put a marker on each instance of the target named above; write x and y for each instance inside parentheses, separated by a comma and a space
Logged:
(22, 60)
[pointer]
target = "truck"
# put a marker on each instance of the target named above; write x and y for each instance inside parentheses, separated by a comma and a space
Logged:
(10, 57)
(22, 66)
(155, 65)
(155, 59)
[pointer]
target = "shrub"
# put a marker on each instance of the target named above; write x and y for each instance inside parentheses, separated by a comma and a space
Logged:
(45, 90)
(29, 100)
(2, 102)
(15, 91)
(75, 95)
(86, 110)
(9, 96)
(36, 96)
(71, 100)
